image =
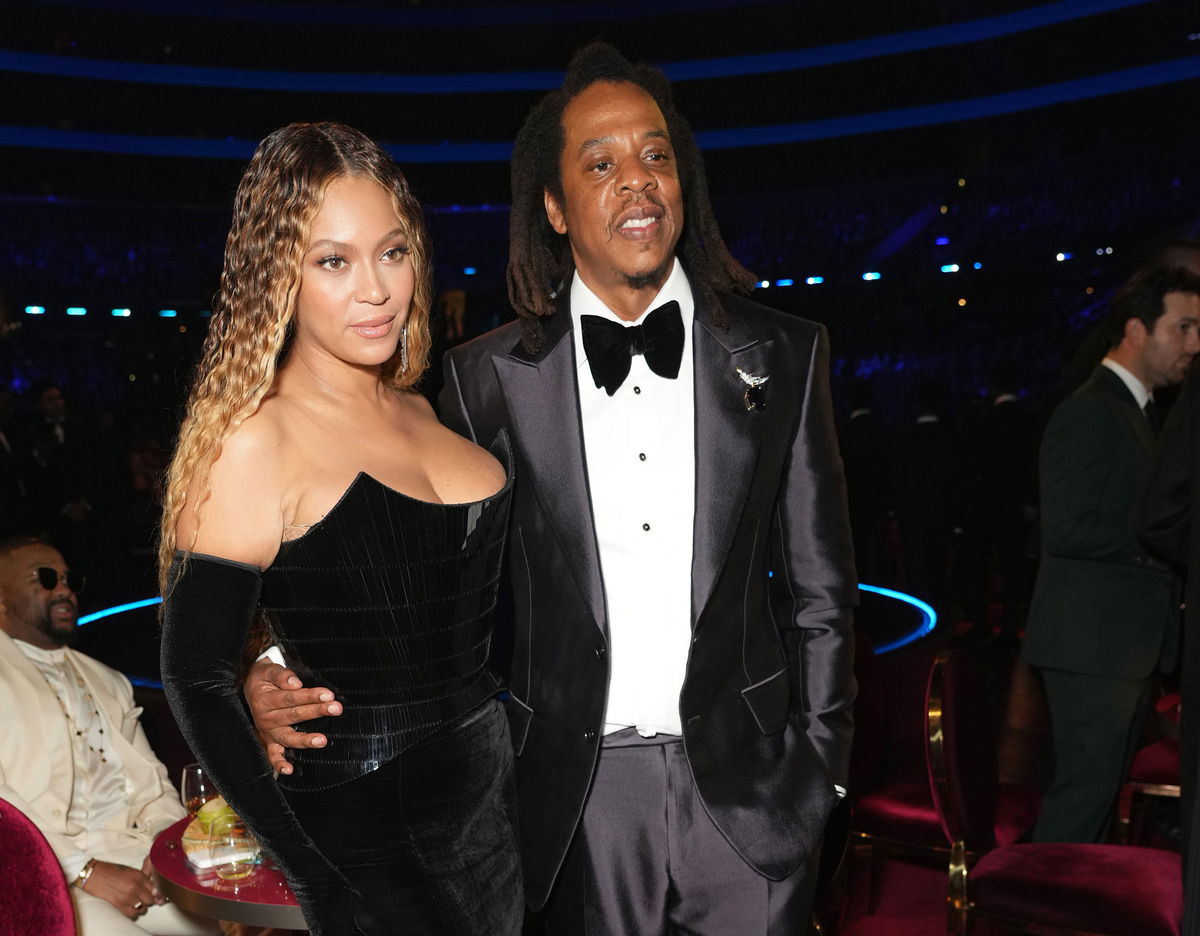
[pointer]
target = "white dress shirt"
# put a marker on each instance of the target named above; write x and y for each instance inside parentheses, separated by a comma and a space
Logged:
(1136, 387)
(641, 467)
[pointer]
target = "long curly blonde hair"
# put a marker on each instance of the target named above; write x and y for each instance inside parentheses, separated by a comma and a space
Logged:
(277, 199)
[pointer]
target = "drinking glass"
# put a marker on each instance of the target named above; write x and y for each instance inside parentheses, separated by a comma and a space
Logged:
(234, 851)
(195, 788)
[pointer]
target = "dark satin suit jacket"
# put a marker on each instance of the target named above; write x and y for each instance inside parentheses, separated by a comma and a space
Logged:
(767, 696)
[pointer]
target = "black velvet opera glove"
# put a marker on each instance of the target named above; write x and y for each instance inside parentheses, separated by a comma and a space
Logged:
(207, 616)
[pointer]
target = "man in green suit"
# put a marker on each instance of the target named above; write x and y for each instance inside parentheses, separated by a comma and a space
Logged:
(1104, 615)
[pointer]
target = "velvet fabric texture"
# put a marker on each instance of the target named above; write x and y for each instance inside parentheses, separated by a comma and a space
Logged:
(1119, 889)
(902, 812)
(1157, 762)
(386, 599)
(34, 900)
(430, 836)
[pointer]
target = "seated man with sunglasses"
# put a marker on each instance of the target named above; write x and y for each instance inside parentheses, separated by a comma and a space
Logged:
(73, 756)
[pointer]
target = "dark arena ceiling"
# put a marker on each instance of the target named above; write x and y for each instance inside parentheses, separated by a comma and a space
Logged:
(158, 101)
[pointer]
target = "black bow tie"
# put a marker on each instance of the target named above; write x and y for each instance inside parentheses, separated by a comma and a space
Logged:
(610, 346)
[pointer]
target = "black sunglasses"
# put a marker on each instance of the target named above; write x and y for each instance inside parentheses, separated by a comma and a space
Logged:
(48, 579)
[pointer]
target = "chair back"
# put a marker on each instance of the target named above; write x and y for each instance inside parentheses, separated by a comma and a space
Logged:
(34, 900)
(960, 751)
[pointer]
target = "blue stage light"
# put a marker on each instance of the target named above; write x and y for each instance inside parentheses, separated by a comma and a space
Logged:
(35, 310)
(949, 267)
(167, 313)
(872, 276)
(928, 617)
(1065, 255)
(815, 280)
(784, 282)
(977, 265)
(76, 311)
(121, 313)
(942, 241)
(469, 271)
(206, 313)
(764, 284)
(117, 609)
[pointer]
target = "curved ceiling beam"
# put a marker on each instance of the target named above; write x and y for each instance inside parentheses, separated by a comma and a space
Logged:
(924, 115)
(920, 40)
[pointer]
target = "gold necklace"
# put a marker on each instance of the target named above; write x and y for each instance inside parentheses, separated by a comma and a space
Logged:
(88, 700)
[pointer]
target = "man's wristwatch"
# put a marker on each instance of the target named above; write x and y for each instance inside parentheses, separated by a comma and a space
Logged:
(84, 873)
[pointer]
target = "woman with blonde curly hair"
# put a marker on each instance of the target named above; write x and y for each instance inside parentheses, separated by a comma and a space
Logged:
(313, 487)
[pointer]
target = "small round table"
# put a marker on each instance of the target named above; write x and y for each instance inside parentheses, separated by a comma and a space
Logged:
(263, 899)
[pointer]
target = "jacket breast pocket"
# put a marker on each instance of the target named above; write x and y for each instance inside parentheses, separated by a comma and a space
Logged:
(768, 701)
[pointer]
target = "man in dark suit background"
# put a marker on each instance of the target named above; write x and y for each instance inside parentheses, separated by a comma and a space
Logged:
(1103, 618)
(1169, 502)
(682, 682)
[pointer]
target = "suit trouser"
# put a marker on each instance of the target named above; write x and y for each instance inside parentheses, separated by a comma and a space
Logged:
(647, 859)
(1096, 721)
(96, 917)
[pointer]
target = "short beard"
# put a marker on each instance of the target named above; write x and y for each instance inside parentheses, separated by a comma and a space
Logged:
(60, 637)
(654, 277)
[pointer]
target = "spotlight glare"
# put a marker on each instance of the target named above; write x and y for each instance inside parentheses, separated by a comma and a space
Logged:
(949, 267)
(961, 303)
(167, 313)
(962, 183)
(872, 275)
(35, 310)
(977, 265)
(1108, 250)
(784, 282)
(814, 280)
(1065, 255)
(469, 271)
(764, 284)
(76, 311)
(121, 313)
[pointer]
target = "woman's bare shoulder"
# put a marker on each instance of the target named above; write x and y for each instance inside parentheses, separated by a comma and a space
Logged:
(238, 507)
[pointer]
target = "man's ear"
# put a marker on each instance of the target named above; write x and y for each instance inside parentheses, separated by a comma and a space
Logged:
(554, 212)
(1136, 331)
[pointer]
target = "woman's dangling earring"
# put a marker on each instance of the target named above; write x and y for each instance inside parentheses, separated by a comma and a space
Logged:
(404, 350)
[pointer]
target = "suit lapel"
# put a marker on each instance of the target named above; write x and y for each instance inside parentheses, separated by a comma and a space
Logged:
(34, 695)
(542, 397)
(1128, 407)
(728, 438)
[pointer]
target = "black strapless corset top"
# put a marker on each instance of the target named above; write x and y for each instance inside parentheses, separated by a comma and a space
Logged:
(388, 601)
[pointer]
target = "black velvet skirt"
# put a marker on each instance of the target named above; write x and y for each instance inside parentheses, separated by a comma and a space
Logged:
(430, 838)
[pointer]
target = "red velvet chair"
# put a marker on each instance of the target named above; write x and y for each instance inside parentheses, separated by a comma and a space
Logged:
(34, 900)
(1040, 888)
(896, 814)
(1155, 772)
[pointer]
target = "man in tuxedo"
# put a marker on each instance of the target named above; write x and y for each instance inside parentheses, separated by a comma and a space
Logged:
(681, 685)
(1103, 617)
(73, 756)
